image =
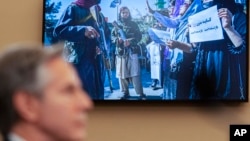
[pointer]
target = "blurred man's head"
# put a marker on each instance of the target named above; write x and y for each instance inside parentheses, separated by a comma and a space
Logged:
(41, 94)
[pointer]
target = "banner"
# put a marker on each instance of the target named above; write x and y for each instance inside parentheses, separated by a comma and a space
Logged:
(114, 3)
(205, 26)
(159, 36)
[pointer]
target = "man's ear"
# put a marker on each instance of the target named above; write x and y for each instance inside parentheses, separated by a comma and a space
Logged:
(26, 106)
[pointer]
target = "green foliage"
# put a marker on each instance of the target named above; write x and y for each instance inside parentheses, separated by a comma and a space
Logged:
(50, 11)
(144, 25)
(160, 4)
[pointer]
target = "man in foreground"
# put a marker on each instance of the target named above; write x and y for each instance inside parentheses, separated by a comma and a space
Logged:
(41, 97)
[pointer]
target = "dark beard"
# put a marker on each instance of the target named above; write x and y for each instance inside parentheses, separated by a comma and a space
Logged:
(125, 20)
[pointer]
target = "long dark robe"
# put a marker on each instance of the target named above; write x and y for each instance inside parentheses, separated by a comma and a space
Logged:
(220, 68)
(80, 50)
(184, 76)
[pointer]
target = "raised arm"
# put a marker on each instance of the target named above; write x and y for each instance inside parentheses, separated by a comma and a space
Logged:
(166, 21)
(235, 29)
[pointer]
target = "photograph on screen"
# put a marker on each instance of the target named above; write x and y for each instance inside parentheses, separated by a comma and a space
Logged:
(153, 50)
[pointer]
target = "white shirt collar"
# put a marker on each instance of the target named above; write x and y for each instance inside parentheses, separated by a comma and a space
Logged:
(15, 137)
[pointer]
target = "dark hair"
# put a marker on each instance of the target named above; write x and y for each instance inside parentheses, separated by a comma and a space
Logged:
(20, 71)
(172, 2)
(121, 9)
(229, 4)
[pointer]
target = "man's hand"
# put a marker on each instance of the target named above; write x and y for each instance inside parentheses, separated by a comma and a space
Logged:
(186, 47)
(150, 10)
(98, 50)
(126, 43)
(172, 44)
(91, 33)
(119, 40)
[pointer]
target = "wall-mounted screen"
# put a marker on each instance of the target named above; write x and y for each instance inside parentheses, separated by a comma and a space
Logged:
(163, 50)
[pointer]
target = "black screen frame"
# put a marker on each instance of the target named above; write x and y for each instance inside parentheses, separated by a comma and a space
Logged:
(135, 100)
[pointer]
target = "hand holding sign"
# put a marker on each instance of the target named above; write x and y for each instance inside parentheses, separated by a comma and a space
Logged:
(226, 17)
(205, 26)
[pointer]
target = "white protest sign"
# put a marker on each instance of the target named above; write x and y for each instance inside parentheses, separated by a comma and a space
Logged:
(159, 36)
(205, 26)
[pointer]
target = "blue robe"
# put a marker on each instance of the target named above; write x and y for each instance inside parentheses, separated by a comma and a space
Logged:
(80, 50)
(183, 60)
(220, 68)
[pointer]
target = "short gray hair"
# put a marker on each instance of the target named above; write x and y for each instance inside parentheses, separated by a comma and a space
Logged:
(19, 70)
